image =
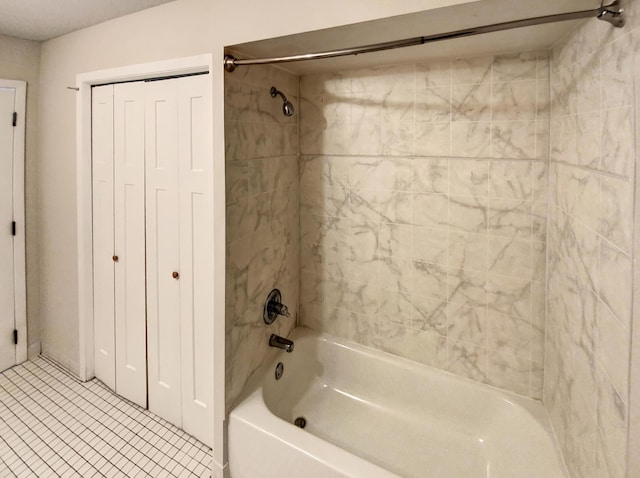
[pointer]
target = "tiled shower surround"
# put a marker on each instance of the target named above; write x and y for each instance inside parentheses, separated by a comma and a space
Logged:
(262, 215)
(423, 192)
(420, 207)
(592, 171)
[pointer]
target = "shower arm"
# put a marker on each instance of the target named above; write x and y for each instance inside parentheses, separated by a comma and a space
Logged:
(612, 13)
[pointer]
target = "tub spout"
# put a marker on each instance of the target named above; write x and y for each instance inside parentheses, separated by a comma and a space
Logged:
(281, 343)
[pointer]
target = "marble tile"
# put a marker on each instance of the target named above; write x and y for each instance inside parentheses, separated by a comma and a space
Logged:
(470, 361)
(615, 281)
(433, 139)
(509, 295)
(510, 218)
(396, 274)
(381, 173)
(470, 139)
(397, 138)
(429, 314)
(511, 335)
(467, 324)
(397, 308)
(430, 245)
(471, 102)
(430, 175)
(612, 425)
(468, 251)
(469, 177)
(615, 215)
(433, 104)
(466, 71)
(514, 101)
(430, 280)
(511, 179)
(396, 240)
(430, 210)
(613, 349)
(468, 214)
(617, 141)
(426, 347)
(509, 371)
(521, 66)
(364, 329)
(467, 288)
(433, 74)
(514, 139)
(616, 63)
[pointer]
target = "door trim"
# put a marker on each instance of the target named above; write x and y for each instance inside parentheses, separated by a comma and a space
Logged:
(84, 82)
(19, 254)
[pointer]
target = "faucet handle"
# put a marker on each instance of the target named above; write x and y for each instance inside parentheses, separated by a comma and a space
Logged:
(273, 307)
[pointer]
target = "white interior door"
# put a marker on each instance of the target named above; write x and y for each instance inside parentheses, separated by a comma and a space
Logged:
(163, 259)
(103, 234)
(129, 203)
(196, 256)
(7, 289)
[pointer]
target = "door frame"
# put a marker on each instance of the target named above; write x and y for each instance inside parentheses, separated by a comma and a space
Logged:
(84, 82)
(19, 251)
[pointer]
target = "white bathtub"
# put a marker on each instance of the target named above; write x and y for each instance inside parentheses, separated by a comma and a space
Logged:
(372, 415)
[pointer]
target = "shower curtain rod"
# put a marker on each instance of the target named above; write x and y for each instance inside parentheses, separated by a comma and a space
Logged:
(612, 13)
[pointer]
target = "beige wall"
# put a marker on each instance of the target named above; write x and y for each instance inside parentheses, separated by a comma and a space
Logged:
(20, 60)
(176, 29)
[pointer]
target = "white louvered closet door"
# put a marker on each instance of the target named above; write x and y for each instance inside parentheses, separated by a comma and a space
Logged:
(163, 250)
(129, 201)
(103, 234)
(196, 256)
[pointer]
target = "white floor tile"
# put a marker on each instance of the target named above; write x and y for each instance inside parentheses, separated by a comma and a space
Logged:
(52, 425)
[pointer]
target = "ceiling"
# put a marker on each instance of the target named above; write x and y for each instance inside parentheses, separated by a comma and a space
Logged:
(472, 14)
(45, 19)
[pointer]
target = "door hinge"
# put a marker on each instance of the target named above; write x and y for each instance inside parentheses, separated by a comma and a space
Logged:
(13, 228)
(15, 118)
(15, 336)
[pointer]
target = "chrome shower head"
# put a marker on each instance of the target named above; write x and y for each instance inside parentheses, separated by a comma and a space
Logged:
(287, 107)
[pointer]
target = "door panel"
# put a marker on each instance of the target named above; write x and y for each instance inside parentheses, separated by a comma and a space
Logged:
(7, 285)
(103, 234)
(129, 192)
(196, 258)
(163, 290)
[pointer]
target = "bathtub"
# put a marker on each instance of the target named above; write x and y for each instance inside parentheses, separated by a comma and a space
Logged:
(372, 415)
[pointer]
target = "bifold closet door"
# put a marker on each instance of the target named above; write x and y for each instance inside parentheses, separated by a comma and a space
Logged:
(196, 256)
(103, 234)
(119, 239)
(163, 250)
(179, 253)
(130, 277)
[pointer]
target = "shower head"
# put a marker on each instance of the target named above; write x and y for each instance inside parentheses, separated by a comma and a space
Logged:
(287, 107)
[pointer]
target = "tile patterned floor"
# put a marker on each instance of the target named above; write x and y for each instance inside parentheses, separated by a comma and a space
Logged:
(52, 425)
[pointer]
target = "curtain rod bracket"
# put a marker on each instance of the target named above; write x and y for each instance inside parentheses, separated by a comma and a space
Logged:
(229, 63)
(613, 14)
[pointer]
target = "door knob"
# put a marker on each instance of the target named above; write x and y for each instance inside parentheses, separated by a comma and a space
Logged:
(175, 275)
(115, 258)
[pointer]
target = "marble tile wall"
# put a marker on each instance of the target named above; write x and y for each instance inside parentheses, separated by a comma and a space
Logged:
(262, 215)
(590, 267)
(423, 198)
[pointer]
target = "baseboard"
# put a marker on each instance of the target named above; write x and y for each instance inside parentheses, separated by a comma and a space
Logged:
(221, 471)
(34, 350)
